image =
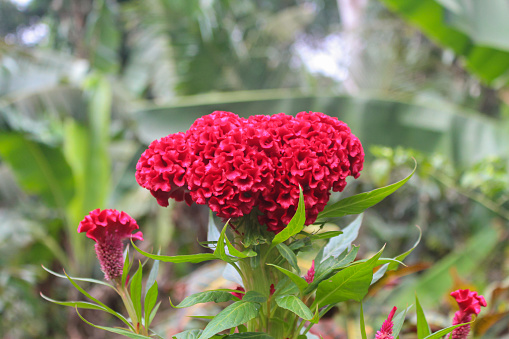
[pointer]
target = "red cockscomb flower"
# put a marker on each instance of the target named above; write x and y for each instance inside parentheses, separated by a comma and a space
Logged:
(470, 304)
(108, 228)
(386, 330)
(310, 275)
(234, 164)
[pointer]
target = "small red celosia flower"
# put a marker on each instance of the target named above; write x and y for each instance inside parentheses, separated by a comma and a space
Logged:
(237, 294)
(234, 164)
(386, 330)
(108, 228)
(470, 304)
(310, 275)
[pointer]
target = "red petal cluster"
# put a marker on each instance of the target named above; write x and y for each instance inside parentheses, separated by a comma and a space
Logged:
(108, 228)
(386, 329)
(234, 164)
(470, 304)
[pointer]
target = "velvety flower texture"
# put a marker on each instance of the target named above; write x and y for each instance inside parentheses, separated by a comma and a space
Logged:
(386, 330)
(470, 304)
(310, 275)
(108, 228)
(234, 164)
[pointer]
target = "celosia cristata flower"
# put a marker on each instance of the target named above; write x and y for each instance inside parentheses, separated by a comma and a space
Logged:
(470, 304)
(310, 275)
(237, 294)
(386, 330)
(108, 228)
(234, 164)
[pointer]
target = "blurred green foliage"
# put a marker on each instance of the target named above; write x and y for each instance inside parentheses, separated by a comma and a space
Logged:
(86, 85)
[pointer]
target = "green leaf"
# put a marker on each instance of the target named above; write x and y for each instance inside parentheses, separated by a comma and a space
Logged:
(422, 325)
(339, 244)
(189, 334)
(204, 297)
(135, 290)
(150, 302)
(288, 254)
(39, 168)
(325, 235)
(255, 297)
(237, 313)
(351, 283)
(221, 253)
(249, 335)
(294, 304)
(363, 325)
(191, 258)
(94, 281)
(444, 331)
(401, 257)
(153, 312)
(360, 202)
(74, 304)
(152, 276)
(121, 331)
(295, 225)
(127, 266)
(299, 281)
(398, 321)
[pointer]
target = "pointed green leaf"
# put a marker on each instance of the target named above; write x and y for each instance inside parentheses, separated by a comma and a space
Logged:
(360, 202)
(204, 297)
(150, 302)
(339, 244)
(74, 304)
(288, 254)
(221, 253)
(237, 313)
(325, 235)
(299, 281)
(153, 313)
(254, 297)
(191, 258)
(401, 257)
(94, 281)
(422, 324)
(121, 331)
(352, 283)
(152, 276)
(127, 266)
(444, 331)
(135, 290)
(295, 225)
(294, 304)
(398, 321)
(363, 325)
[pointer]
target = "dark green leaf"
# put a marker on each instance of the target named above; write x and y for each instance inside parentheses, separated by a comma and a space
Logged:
(325, 235)
(422, 324)
(352, 283)
(360, 202)
(191, 258)
(294, 304)
(295, 225)
(150, 302)
(288, 254)
(135, 290)
(236, 314)
(444, 331)
(249, 335)
(189, 334)
(121, 331)
(254, 297)
(204, 297)
(299, 281)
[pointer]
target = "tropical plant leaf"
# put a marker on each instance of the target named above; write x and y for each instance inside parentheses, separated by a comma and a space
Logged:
(204, 297)
(444, 331)
(121, 331)
(299, 281)
(93, 281)
(363, 325)
(188, 334)
(190, 258)
(401, 257)
(339, 244)
(294, 304)
(423, 329)
(254, 297)
(150, 302)
(135, 290)
(74, 304)
(295, 225)
(288, 254)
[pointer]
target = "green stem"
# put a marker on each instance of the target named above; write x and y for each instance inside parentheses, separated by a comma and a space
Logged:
(128, 303)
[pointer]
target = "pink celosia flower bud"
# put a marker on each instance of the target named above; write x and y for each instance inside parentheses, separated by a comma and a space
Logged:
(239, 295)
(311, 273)
(108, 228)
(386, 330)
(469, 303)
(272, 290)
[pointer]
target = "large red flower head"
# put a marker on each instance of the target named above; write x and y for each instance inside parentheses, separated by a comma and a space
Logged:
(234, 165)
(108, 228)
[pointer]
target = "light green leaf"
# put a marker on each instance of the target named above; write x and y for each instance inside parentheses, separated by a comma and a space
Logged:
(150, 302)
(94, 281)
(360, 202)
(288, 254)
(191, 258)
(363, 325)
(325, 235)
(152, 276)
(135, 290)
(294, 304)
(221, 253)
(401, 257)
(121, 331)
(237, 313)
(299, 281)
(204, 297)
(352, 283)
(295, 225)
(74, 304)
(422, 324)
(255, 297)
(444, 331)
(398, 321)
(189, 334)
(339, 244)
